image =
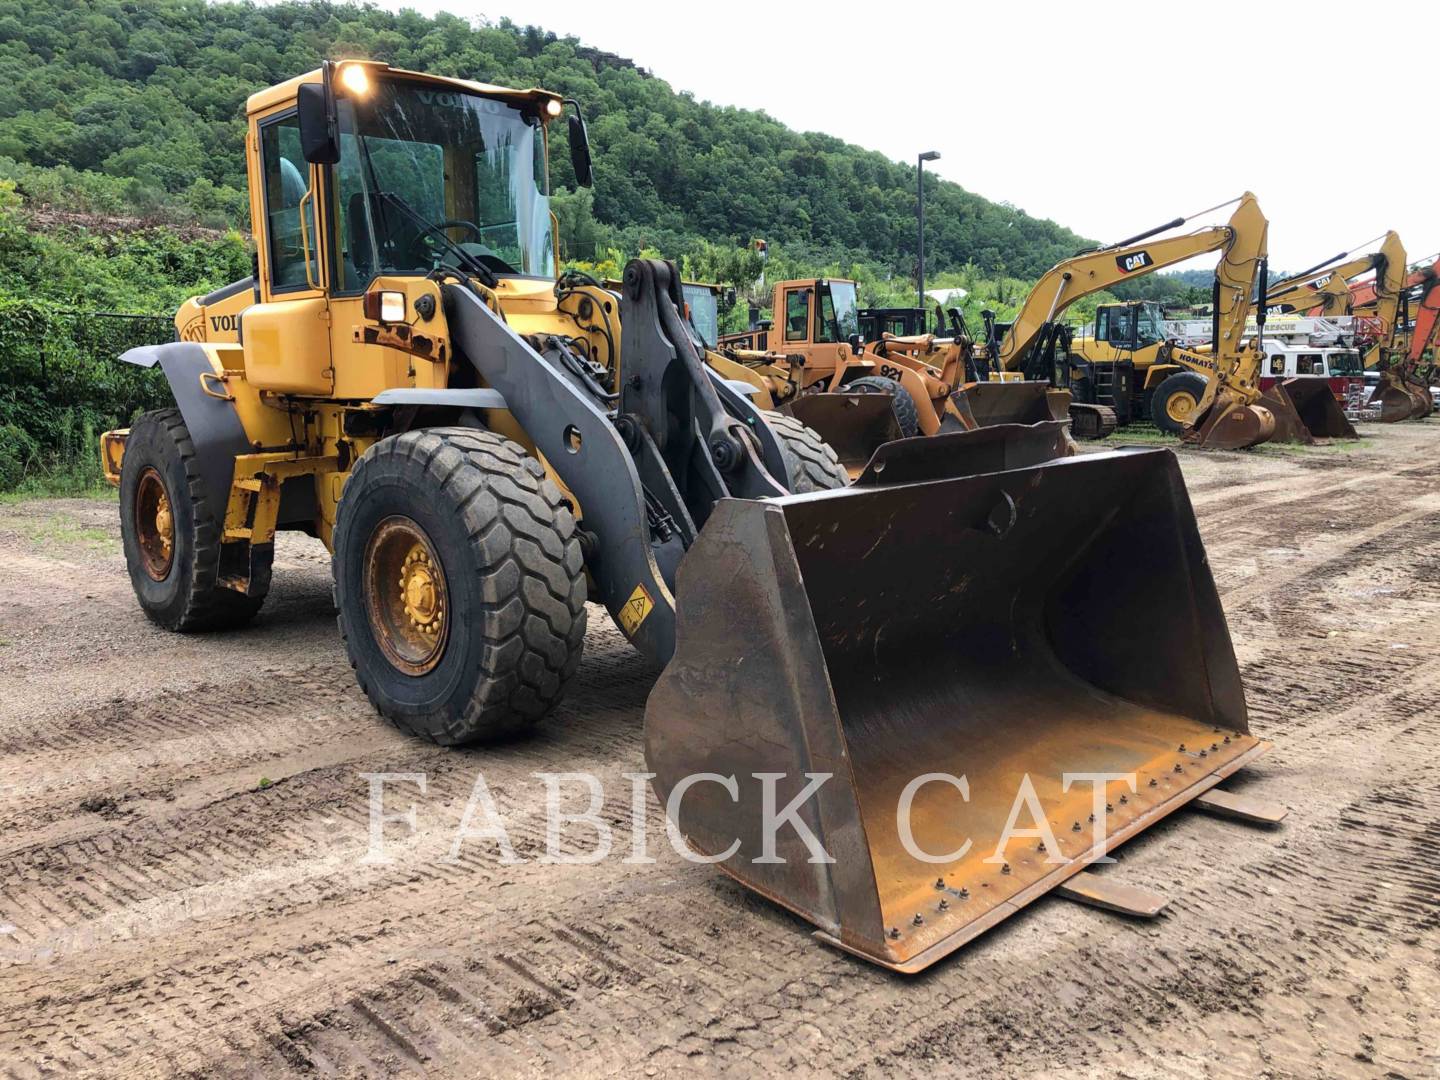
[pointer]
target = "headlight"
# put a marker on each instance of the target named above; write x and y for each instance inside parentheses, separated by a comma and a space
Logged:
(386, 306)
(355, 79)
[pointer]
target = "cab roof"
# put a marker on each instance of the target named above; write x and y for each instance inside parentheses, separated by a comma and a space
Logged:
(280, 93)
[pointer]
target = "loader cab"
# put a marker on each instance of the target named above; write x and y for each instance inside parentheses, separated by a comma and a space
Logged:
(1130, 327)
(875, 323)
(369, 180)
(821, 312)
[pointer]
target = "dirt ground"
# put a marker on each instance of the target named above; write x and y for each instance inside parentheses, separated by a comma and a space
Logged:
(182, 821)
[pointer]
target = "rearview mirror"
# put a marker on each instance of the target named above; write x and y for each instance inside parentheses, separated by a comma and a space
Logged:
(319, 130)
(580, 149)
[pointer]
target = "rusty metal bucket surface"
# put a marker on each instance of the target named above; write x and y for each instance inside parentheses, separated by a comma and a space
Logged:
(1306, 410)
(1033, 621)
(855, 425)
(1396, 399)
(1232, 425)
(991, 403)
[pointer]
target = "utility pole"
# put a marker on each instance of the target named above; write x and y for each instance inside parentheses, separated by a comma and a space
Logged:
(928, 155)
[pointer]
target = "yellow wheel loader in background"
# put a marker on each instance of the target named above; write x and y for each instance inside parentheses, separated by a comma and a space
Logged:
(484, 446)
(813, 349)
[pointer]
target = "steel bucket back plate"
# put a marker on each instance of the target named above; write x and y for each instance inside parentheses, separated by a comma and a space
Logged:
(1050, 619)
(990, 403)
(1306, 410)
(855, 425)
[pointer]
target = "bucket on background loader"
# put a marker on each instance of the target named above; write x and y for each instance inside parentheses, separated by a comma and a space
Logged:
(855, 425)
(1306, 410)
(991, 403)
(1000, 614)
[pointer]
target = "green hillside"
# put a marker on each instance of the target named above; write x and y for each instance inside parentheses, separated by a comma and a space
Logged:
(138, 107)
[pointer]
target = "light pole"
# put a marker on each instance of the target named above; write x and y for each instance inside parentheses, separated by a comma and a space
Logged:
(928, 155)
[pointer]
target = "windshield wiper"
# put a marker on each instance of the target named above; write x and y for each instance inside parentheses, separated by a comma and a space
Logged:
(484, 273)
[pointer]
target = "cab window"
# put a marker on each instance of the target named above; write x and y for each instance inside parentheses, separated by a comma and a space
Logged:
(797, 314)
(1116, 326)
(1310, 364)
(286, 180)
(1277, 364)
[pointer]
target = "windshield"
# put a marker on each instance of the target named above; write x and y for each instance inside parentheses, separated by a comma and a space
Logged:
(837, 319)
(420, 166)
(704, 307)
(1346, 362)
(1150, 327)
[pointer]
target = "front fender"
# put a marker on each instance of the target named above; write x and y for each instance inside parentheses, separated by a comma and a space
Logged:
(214, 425)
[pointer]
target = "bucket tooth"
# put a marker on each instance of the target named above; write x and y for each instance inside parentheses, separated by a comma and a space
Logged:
(983, 626)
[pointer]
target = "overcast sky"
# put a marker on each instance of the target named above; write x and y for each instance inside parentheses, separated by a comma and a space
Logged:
(1108, 117)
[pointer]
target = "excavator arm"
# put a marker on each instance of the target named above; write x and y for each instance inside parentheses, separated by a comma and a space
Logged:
(1094, 271)
(1381, 300)
(1324, 289)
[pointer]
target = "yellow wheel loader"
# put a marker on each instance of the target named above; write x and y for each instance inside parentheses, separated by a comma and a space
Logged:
(857, 394)
(484, 446)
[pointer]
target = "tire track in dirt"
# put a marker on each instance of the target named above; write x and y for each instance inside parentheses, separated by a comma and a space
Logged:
(248, 940)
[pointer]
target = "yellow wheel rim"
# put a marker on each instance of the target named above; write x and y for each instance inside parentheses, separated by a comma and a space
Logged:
(1180, 406)
(154, 525)
(406, 596)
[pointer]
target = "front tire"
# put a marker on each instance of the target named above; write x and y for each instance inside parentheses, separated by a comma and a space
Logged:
(906, 412)
(809, 460)
(459, 583)
(172, 535)
(1176, 401)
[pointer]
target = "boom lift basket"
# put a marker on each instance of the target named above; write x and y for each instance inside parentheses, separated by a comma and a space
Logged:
(1020, 616)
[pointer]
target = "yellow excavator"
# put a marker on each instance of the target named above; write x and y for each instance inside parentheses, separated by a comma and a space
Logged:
(484, 445)
(1325, 289)
(1208, 395)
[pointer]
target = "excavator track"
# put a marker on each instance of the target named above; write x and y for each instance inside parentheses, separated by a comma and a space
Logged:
(1091, 422)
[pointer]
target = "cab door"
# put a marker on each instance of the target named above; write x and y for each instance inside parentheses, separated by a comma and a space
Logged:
(286, 337)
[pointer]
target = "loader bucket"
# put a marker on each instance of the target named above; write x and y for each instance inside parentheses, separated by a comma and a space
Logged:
(855, 425)
(990, 403)
(1008, 625)
(1230, 424)
(1306, 410)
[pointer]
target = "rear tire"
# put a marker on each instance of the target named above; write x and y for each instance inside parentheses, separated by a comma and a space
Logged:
(171, 534)
(906, 414)
(460, 584)
(1176, 401)
(811, 463)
